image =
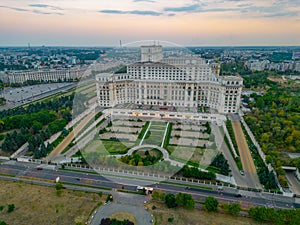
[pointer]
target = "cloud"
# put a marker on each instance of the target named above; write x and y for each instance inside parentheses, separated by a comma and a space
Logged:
(283, 14)
(32, 11)
(152, 1)
(189, 8)
(45, 6)
(46, 13)
(275, 10)
(133, 12)
(14, 8)
(171, 14)
(245, 5)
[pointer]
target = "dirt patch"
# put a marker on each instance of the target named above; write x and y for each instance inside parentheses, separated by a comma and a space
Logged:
(196, 217)
(277, 79)
(41, 205)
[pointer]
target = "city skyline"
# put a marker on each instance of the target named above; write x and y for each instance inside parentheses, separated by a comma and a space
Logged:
(189, 23)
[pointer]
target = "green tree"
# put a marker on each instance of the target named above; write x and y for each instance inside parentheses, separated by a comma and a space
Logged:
(225, 207)
(170, 200)
(109, 198)
(211, 204)
(258, 213)
(162, 197)
(10, 208)
(234, 209)
(155, 195)
(189, 202)
(59, 186)
(180, 199)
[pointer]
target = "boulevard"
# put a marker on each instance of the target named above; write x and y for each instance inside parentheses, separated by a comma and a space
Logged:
(88, 180)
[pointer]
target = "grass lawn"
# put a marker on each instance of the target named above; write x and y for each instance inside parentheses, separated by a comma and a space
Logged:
(195, 217)
(159, 123)
(89, 90)
(153, 140)
(41, 205)
(142, 133)
(104, 146)
(183, 153)
(117, 146)
(156, 133)
(158, 127)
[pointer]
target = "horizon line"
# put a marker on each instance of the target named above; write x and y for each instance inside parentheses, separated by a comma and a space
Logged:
(111, 46)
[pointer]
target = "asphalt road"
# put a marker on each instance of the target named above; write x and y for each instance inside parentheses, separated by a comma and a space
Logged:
(219, 137)
(142, 216)
(294, 183)
(245, 155)
(18, 96)
(59, 149)
(29, 170)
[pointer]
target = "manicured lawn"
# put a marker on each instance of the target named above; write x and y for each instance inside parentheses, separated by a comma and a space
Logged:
(107, 146)
(141, 134)
(185, 153)
(155, 133)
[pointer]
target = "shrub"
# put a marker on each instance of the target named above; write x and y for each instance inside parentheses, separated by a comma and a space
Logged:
(170, 219)
(10, 208)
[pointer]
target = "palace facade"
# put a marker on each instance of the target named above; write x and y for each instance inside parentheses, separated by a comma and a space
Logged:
(185, 81)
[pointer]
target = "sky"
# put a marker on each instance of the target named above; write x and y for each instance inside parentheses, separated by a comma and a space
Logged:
(184, 22)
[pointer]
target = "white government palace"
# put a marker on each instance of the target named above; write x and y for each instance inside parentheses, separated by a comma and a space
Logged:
(54, 75)
(181, 82)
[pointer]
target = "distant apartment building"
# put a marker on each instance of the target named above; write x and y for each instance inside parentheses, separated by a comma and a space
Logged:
(257, 65)
(261, 65)
(296, 55)
(51, 75)
(185, 81)
(297, 66)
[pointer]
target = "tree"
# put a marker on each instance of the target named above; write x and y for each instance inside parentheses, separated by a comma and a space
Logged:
(59, 186)
(155, 195)
(109, 198)
(225, 207)
(185, 200)
(258, 213)
(162, 197)
(221, 163)
(189, 202)
(10, 208)
(234, 209)
(180, 199)
(211, 204)
(171, 201)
